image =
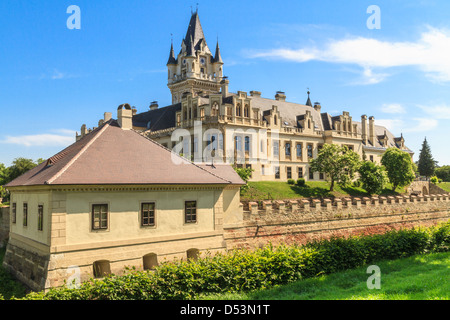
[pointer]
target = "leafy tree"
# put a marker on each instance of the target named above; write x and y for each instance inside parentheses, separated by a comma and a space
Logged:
(245, 174)
(426, 164)
(443, 173)
(434, 179)
(18, 167)
(337, 162)
(372, 177)
(399, 167)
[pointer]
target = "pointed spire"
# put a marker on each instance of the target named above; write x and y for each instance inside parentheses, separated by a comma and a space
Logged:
(172, 59)
(217, 56)
(195, 33)
(190, 50)
(308, 102)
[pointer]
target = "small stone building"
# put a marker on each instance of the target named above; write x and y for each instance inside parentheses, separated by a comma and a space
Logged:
(114, 199)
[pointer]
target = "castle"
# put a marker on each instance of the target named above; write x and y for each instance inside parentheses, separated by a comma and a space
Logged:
(274, 137)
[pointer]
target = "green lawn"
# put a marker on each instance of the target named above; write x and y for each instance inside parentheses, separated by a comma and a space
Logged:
(444, 185)
(281, 190)
(421, 277)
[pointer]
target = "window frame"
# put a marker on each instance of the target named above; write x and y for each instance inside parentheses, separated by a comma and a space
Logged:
(100, 227)
(188, 216)
(148, 211)
(25, 214)
(14, 212)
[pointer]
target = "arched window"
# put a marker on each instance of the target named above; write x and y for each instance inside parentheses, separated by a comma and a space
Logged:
(275, 120)
(247, 144)
(246, 111)
(238, 110)
(150, 261)
(101, 268)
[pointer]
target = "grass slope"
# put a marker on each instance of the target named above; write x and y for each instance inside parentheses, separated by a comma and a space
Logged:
(420, 277)
(281, 190)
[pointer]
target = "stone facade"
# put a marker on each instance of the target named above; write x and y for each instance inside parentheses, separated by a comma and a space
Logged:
(301, 221)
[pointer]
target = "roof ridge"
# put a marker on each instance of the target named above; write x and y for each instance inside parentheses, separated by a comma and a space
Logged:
(161, 146)
(64, 169)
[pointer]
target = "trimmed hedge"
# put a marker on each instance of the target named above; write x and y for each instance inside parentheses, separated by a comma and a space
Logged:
(246, 270)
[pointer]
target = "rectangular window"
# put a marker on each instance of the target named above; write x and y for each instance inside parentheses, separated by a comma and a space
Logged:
(321, 176)
(276, 148)
(14, 212)
(25, 214)
(40, 217)
(300, 172)
(148, 214)
(287, 148)
(289, 172)
(309, 149)
(299, 150)
(371, 158)
(99, 216)
(247, 144)
(190, 211)
(263, 171)
(277, 172)
(311, 174)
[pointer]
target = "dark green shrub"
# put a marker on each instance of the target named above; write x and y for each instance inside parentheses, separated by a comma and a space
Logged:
(300, 182)
(291, 181)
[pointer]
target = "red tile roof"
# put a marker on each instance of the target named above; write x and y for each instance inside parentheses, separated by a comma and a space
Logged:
(110, 155)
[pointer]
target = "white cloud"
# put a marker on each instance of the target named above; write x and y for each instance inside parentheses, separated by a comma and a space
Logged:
(393, 125)
(43, 140)
(429, 53)
(408, 125)
(439, 111)
(393, 108)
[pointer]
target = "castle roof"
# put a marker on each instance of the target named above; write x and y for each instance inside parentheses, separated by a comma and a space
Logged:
(194, 34)
(110, 155)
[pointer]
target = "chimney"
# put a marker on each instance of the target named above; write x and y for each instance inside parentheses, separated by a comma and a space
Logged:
(134, 110)
(255, 93)
(280, 96)
(107, 116)
(372, 130)
(364, 128)
(317, 106)
(154, 105)
(124, 116)
(83, 130)
(224, 86)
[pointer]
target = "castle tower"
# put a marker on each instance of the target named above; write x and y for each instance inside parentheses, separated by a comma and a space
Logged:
(195, 70)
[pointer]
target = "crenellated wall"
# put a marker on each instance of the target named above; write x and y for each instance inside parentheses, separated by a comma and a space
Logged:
(300, 221)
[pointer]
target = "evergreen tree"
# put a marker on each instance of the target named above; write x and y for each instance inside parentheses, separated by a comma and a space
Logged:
(426, 164)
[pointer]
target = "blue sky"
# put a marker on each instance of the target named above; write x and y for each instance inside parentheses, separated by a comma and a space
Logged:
(54, 79)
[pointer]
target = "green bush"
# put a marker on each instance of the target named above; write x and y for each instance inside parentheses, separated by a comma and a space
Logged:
(291, 181)
(434, 179)
(301, 182)
(246, 270)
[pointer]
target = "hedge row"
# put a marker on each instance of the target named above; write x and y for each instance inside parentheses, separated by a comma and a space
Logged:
(245, 270)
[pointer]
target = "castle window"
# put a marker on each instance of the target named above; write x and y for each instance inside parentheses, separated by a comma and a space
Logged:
(277, 172)
(263, 171)
(311, 174)
(40, 217)
(287, 149)
(99, 216)
(190, 211)
(371, 158)
(215, 109)
(289, 172)
(238, 110)
(238, 143)
(202, 70)
(276, 148)
(247, 144)
(309, 149)
(246, 111)
(300, 172)
(25, 214)
(148, 214)
(299, 150)
(275, 120)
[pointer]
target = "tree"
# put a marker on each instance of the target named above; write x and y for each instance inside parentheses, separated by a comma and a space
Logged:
(426, 164)
(399, 167)
(245, 174)
(443, 173)
(372, 177)
(337, 162)
(18, 167)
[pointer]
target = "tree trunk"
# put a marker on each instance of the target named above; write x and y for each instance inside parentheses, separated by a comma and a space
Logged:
(332, 185)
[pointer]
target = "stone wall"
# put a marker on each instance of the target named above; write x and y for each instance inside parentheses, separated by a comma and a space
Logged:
(4, 226)
(301, 221)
